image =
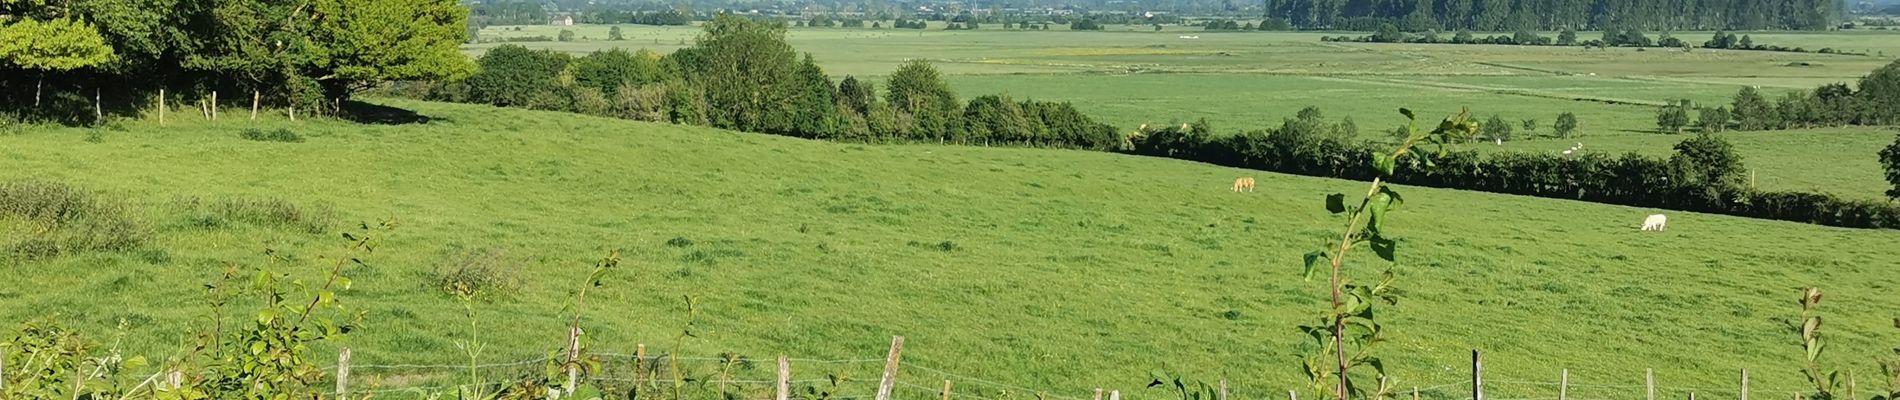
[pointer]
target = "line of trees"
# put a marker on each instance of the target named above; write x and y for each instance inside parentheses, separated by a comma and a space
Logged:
(1388, 33)
(1512, 15)
(741, 75)
(70, 60)
(1877, 102)
(1705, 174)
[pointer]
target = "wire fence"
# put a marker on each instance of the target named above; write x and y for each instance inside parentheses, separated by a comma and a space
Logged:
(624, 375)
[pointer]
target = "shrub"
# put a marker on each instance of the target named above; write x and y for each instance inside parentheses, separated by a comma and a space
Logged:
(280, 135)
(475, 272)
(1566, 124)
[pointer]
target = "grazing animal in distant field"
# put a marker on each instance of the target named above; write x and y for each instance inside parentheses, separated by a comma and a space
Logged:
(1656, 222)
(1244, 183)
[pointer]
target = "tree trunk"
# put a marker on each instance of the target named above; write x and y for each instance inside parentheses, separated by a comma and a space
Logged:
(37, 87)
(161, 105)
(214, 105)
(256, 97)
(98, 109)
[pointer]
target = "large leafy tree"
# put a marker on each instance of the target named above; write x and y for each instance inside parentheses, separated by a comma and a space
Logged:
(916, 89)
(354, 44)
(815, 102)
(1890, 160)
(1880, 95)
(55, 45)
(512, 75)
(746, 70)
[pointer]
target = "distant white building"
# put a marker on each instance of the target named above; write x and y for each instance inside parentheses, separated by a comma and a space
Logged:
(562, 20)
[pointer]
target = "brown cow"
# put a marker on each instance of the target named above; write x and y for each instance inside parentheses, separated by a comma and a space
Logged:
(1243, 183)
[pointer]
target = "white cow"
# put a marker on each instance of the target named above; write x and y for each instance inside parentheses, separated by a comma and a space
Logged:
(1656, 222)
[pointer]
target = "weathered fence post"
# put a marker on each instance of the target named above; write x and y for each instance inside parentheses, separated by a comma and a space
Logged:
(1114, 395)
(1744, 383)
(161, 105)
(1691, 395)
(1223, 389)
(639, 364)
(1414, 393)
(343, 374)
(573, 358)
(784, 378)
(256, 97)
(1292, 395)
(214, 105)
(1649, 383)
(945, 394)
(1477, 375)
(890, 368)
(1098, 393)
(1563, 385)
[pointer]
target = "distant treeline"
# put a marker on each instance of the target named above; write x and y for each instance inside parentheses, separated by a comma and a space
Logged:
(741, 75)
(1705, 174)
(1388, 33)
(1512, 15)
(1876, 103)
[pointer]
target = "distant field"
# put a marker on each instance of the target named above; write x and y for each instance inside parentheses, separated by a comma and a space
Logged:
(1248, 80)
(1046, 269)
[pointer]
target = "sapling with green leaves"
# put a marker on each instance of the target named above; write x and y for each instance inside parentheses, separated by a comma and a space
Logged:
(1344, 337)
(1825, 381)
(1890, 368)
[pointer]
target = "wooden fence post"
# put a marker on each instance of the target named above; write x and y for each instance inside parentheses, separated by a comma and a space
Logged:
(161, 106)
(1649, 383)
(1477, 375)
(1563, 385)
(891, 361)
(639, 364)
(343, 374)
(1098, 393)
(573, 358)
(1114, 395)
(1223, 389)
(214, 105)
(1414, 393)
(1691, 395)
(784, 377)
(1744, 383)
(1292, 395)
(946, 390)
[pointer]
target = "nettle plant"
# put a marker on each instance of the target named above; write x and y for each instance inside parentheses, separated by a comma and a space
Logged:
(1344, 337)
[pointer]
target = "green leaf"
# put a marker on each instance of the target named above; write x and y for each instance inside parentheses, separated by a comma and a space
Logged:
(1313, 261)
(1407, 112)
(264, 316)
(1384, 163)
(1336, 203)
(1377, 208)
(1394, 199)
(1386, 248)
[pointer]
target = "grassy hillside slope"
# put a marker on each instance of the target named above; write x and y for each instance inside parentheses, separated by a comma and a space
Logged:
(1052, 270)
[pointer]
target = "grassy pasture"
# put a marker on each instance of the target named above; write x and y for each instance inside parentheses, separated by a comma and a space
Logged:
(1839, 161)
(1064, 270)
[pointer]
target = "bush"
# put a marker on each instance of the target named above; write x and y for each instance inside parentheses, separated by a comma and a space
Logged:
(279, 135)
(1566, 124)
(475, 272)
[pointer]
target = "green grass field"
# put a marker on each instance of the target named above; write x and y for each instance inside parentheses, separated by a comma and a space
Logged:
(1841, 162)
(1250, 80)
(1066, 270)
